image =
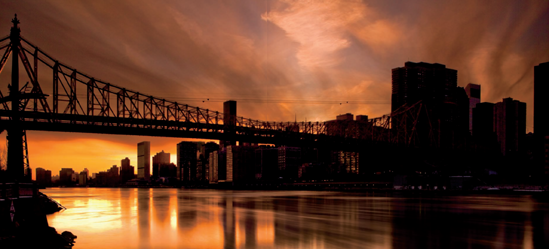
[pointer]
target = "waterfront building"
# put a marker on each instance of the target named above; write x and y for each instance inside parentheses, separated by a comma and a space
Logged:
(541, 101)
(289, 161)
(160, 160)
(204, 157)
(349, 162)
(65, 176)
(421, 82)
(144, 160)
(113, 176)
(212, 162)
(41, 176)
(546, 156)
(266, 163)
(240, 163)
(47, 178)
(510, 125)
(83, 177)
(126, 170)
(444, 121)
(483, 126)
(186, 161)
(40, 172)
(473, 92)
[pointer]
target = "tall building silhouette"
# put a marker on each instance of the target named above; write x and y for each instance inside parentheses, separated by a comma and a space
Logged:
(445, 119)
(126, 170)
(473, 92)
(421, 81)
(240, 163)
(43, 176)
(510, 125)
(144, 160)
(541, 101)
(186, 161)
(159, 162)
(483, 123)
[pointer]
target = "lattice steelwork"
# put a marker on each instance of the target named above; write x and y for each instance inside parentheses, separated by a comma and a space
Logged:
(79, 102)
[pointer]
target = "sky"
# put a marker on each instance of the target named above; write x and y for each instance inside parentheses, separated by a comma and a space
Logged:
(280, 60)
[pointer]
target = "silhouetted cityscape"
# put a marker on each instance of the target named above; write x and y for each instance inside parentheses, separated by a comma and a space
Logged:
(266, 124)
(487, 142)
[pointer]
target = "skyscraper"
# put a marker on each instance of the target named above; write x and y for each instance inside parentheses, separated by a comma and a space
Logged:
(240, 163)
(473, 92)
(186, 160)
(541, 101)
(289, 160)
(126, 170)
(144, 160)
(510, 125)
(442, 119)
(161, 159)
(65, 176)
(483, 122)
(421, 81)
(40, 176)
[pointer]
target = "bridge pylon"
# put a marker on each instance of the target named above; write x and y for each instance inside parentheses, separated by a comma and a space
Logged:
(16, 135)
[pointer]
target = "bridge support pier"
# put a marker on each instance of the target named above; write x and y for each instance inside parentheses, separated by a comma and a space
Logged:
(16, 169)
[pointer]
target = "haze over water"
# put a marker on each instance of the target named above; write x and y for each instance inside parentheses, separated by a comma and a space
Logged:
(174, 218)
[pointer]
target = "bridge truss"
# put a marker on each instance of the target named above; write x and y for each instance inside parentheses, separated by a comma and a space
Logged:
(58, 97)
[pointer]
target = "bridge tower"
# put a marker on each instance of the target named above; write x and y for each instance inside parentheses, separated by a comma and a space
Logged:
(15, 135)
(229, 121)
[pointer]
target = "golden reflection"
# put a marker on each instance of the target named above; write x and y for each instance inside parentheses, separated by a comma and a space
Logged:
(172, 218)
(265, 228)
(173, 210)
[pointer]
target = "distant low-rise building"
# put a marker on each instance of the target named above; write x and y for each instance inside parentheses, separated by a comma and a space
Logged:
(66, 176)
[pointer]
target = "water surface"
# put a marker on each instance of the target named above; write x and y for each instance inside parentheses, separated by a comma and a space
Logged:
(174, 218)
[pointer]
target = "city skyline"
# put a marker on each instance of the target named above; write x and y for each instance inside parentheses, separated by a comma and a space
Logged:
(344, 61)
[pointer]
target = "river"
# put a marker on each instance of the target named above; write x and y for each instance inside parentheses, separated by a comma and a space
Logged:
(176, 218)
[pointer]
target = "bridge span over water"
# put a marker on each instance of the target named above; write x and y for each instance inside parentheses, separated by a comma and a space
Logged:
(58, 97)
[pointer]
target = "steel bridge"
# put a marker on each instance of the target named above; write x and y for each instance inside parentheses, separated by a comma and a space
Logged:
(58, 97)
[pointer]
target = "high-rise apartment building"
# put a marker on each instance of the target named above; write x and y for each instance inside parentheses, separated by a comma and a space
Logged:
(473, 92)
(266, 163)
(510, 125)
(160, 162)
(126, 170)
(240, 163)
(144, 160)
(541, 101)
(483, 123)
(41, 176)
(65, 176)
(421, 81)
(186, 161)
(444, 119)
(289, 161)
(212, 162)
(83, 177)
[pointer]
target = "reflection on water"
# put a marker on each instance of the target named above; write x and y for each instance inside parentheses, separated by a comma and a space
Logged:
(172, 218)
